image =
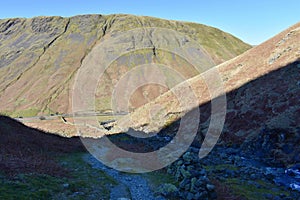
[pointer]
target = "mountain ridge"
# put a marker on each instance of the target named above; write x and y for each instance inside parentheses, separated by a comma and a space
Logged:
(279, 52)
(55, 48)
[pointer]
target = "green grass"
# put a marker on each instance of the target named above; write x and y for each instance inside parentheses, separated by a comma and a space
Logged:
(220, 45)
(84, 183)
(156, 178)
(221, 167)
(251, 191)
(22, 113)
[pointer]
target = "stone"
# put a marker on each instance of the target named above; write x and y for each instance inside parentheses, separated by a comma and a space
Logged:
(210, 187)
(190, 196)
(193, 185)
(128, 179)
(187, 187)
(204, 195)
(187, 157)
(184, 182)
(277, 198)
(197, 195)
(199, 183)
(195, 173)
(185, 173)
(168, 190)
(253, 176)
(268, 196)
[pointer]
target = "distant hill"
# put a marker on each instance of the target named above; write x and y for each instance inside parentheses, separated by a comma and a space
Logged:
(39, 57)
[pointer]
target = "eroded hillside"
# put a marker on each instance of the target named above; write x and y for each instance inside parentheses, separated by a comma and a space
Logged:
(261, 89)
(40, 56)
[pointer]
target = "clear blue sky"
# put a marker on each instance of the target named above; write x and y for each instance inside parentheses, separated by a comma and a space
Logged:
(253, 21)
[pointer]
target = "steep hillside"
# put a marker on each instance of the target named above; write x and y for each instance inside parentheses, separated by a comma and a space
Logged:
(40, 56)
(27, 150)
(261, 87)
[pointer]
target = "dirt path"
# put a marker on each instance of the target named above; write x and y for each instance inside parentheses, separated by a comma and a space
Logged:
(131, 186)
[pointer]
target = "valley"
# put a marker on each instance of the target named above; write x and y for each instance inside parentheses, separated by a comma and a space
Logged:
(134, 107)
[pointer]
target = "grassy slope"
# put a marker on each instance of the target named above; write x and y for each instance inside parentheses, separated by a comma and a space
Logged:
(252, 66)
(40, 56)
(37, 165)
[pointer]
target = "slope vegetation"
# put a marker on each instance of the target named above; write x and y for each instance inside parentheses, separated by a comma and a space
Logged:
(40, 56)
(261, 87)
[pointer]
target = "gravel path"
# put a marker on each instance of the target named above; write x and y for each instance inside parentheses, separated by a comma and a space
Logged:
(137, 185)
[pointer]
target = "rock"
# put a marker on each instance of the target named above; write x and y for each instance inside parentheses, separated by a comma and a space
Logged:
(184, 182)
(199, 183)
(75, 194)
(197, 195)
(277, 198)
(253, 176)
(195, 173)
(295, 186)
(268, 196)
(193, 185)
(128, 179)
(185, 173)
(204, 195)
(187, 157)
(213, 195)
(187, 187)
(189, 196)
(168, 190)
(170, 171)
(210, 187)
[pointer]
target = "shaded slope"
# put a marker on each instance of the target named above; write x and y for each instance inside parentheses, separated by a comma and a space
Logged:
(261, 85)
(40, 56)
(24, 149)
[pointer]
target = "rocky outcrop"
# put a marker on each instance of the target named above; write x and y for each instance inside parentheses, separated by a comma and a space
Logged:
(192, 178)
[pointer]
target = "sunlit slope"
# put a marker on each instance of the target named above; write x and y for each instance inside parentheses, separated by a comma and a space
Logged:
(39, 57)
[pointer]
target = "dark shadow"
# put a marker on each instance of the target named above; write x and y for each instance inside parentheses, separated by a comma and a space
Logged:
(25, 150)
(269, 101)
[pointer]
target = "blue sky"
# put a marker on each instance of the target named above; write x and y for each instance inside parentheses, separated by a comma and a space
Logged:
(253, 21)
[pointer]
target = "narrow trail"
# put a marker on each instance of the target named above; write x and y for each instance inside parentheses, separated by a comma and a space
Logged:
(131, 186)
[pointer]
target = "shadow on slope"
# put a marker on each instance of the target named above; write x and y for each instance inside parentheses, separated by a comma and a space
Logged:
(270, 102)
(28, 150)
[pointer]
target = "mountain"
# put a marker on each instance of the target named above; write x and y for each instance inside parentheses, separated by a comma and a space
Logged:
(250, 102)
(256, 90)
(40, 57)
